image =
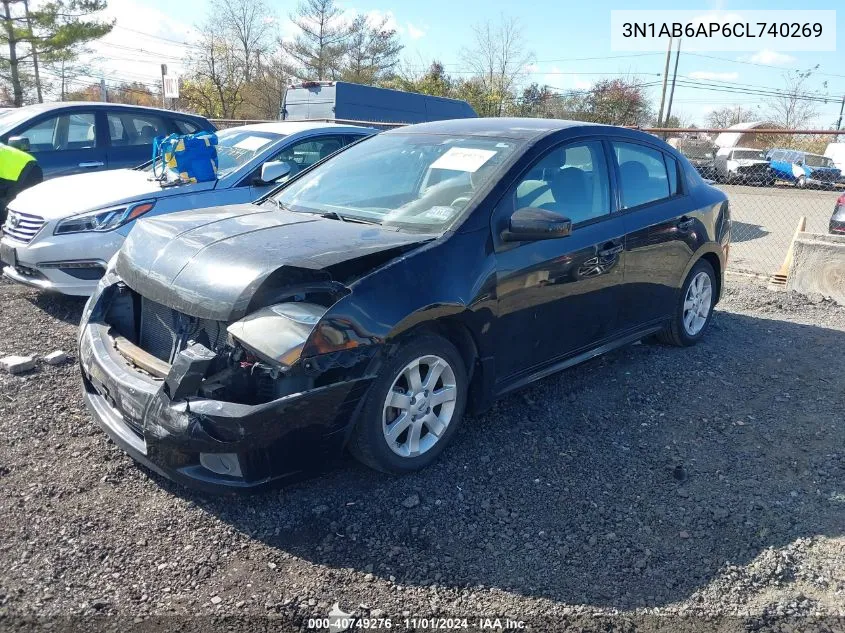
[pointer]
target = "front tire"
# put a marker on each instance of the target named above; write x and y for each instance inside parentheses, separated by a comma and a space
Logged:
(694, 309)
(413, 407)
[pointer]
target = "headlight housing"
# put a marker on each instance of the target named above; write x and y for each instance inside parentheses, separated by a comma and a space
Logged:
(278, 332)
(103, 219)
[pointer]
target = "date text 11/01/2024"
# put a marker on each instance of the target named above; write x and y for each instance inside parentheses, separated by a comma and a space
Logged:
(349, 623)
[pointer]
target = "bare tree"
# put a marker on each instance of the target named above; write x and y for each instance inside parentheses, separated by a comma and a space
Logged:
(731, 115)
(498, 60)
(266, 91)
(796, 106)
(318, 51)
(63, 72)
(249, 23)
(215, 81)
(372, 51)
(432, 81)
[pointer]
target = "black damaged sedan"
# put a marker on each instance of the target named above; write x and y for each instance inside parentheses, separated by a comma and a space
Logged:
(381, 295)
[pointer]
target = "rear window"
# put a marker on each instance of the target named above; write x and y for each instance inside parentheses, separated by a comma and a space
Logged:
(186, 127)
(642, 172)
(749, 154)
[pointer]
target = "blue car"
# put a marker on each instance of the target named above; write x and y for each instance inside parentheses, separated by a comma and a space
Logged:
(76, 137)
(802, 168)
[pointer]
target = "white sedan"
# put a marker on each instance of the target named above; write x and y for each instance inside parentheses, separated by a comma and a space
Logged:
(60, 234)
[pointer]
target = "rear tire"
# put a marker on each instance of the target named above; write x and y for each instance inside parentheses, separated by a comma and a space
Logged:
(413, 407)
(694, 309)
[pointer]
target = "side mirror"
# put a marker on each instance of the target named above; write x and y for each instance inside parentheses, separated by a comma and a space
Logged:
(530, 224)
(19, 142)
(273, 170)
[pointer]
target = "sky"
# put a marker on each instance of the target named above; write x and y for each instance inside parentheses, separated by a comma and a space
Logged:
(569, 42)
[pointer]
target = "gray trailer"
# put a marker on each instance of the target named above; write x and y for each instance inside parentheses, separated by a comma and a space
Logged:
(347, 102)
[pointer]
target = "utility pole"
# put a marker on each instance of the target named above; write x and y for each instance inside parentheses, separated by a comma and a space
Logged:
(839, 121)
(104, 94)
(672, 91)
(163, 73)
(665, 78)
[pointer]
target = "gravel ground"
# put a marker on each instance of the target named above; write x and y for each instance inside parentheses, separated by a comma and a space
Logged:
(705, 482)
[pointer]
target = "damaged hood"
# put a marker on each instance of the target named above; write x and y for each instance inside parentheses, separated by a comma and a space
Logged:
(210, 263)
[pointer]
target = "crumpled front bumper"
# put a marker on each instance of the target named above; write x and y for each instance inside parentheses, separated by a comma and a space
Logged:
(281, 440)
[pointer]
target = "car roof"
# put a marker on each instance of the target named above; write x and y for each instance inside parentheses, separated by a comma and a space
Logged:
(37, 108)
(516, 128)
(292, 127)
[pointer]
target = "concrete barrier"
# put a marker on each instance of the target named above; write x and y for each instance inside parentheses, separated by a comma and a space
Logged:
(818, 266)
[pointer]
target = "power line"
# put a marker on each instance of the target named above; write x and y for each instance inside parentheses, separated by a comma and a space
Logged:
(745, 91)
(747, 63)
(157, 37)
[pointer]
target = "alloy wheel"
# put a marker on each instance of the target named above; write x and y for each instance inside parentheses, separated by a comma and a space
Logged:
(419, 406)
(697, 303)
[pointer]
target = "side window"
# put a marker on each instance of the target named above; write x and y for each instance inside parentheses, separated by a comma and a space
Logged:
(571, 181)
(42, 136)
(186, 127)
(672, 169)
(306, 153)
(776, 155)
(64, 132)
(642, 174)
(134, 129)
(301, 155)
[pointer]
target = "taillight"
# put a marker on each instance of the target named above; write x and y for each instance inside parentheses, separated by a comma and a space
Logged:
(840, 201)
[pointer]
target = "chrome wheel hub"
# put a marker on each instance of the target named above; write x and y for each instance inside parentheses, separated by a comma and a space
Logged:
(419, 406)
(697, 303)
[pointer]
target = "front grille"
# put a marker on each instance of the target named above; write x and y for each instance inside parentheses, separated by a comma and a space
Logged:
(753, 169)
(165, 332)
(22, 226)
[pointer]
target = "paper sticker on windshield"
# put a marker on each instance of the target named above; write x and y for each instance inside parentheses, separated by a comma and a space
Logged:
(252, 143)
(439, 213)
(463, 159)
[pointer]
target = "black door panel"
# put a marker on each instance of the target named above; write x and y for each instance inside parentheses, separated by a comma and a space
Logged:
(559, 296)
(660, 241)
(660, 231)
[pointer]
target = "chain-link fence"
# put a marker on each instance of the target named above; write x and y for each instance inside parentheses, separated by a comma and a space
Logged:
(774, 179)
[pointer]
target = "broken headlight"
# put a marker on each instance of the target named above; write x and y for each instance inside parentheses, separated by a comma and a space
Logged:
(279, 332)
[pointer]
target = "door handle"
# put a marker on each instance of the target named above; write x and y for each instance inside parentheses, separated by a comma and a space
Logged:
(610, 249)
(92, 164)
(685, 223)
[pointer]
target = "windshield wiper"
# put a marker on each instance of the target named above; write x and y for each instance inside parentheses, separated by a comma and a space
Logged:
(334, 215)
(330, 215)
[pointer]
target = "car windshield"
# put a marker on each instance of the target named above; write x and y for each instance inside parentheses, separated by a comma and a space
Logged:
(236, 147)
(415, 182)
(749, 154)
(814, 160)
(12, 117)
